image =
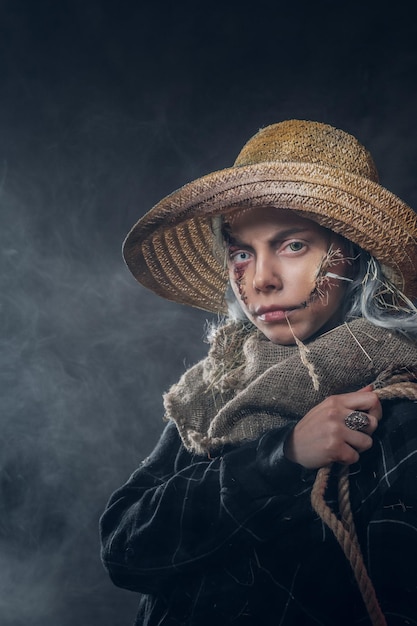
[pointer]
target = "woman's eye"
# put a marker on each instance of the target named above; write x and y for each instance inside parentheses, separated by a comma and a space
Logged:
(240, 256)
(296, 246)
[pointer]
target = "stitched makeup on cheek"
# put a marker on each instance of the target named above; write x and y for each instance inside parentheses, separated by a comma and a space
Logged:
(240, 281)
(324, 279)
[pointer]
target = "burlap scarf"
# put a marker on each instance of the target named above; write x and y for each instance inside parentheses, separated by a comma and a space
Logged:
(248, 385)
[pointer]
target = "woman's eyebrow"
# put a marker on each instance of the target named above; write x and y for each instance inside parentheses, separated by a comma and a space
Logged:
(232, 239)
(289, 232)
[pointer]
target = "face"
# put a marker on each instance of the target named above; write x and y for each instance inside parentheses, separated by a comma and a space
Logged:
(277, 265)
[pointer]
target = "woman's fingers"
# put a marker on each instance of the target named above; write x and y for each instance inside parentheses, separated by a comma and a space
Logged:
(367, 404)
(366, 401)
(360, 441)
(323, 437)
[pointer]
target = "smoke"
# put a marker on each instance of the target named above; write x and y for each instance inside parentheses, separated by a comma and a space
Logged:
(85, 355)
(106, 107)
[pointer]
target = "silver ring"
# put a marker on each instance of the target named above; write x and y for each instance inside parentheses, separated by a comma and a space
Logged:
(357, 420)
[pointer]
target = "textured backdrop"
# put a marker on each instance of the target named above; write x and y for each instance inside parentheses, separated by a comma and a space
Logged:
(105, 107)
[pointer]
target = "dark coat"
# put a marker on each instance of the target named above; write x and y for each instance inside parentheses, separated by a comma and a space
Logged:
(233, 539)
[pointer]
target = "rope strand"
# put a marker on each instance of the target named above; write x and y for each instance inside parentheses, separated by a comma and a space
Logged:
(344, 528)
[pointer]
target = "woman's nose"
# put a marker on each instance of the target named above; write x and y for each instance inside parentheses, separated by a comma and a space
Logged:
(267, 276)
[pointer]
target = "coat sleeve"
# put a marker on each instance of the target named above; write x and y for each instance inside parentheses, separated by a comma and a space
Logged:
(180, 512)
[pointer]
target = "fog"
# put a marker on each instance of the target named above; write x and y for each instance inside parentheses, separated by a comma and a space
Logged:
(105, 107)
(84, 359)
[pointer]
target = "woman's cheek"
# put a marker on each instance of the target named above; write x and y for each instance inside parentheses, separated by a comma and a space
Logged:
(240, 282)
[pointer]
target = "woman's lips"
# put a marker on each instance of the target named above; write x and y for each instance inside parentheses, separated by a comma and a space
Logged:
(275, 315)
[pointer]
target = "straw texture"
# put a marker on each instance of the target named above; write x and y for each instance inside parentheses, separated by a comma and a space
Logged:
(319, 171)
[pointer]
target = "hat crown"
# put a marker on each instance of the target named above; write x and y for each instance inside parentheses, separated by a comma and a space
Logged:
(308, 142)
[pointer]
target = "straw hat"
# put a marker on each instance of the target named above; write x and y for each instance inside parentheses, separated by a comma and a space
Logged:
(319, 171)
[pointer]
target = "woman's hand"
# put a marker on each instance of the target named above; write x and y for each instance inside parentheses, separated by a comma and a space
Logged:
(322, 436)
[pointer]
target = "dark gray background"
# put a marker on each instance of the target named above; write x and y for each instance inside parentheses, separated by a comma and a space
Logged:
(104, 108)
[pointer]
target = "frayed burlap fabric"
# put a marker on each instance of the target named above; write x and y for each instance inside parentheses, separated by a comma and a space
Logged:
(248, 385)
(318, 171)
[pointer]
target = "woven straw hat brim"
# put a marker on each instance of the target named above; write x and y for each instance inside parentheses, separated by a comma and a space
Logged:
(170, 249)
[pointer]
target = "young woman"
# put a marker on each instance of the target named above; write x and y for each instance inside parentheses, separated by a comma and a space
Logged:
(284, 487)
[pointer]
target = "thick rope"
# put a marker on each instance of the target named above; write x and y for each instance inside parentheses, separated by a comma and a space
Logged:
(346, 536)
(344, 528)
